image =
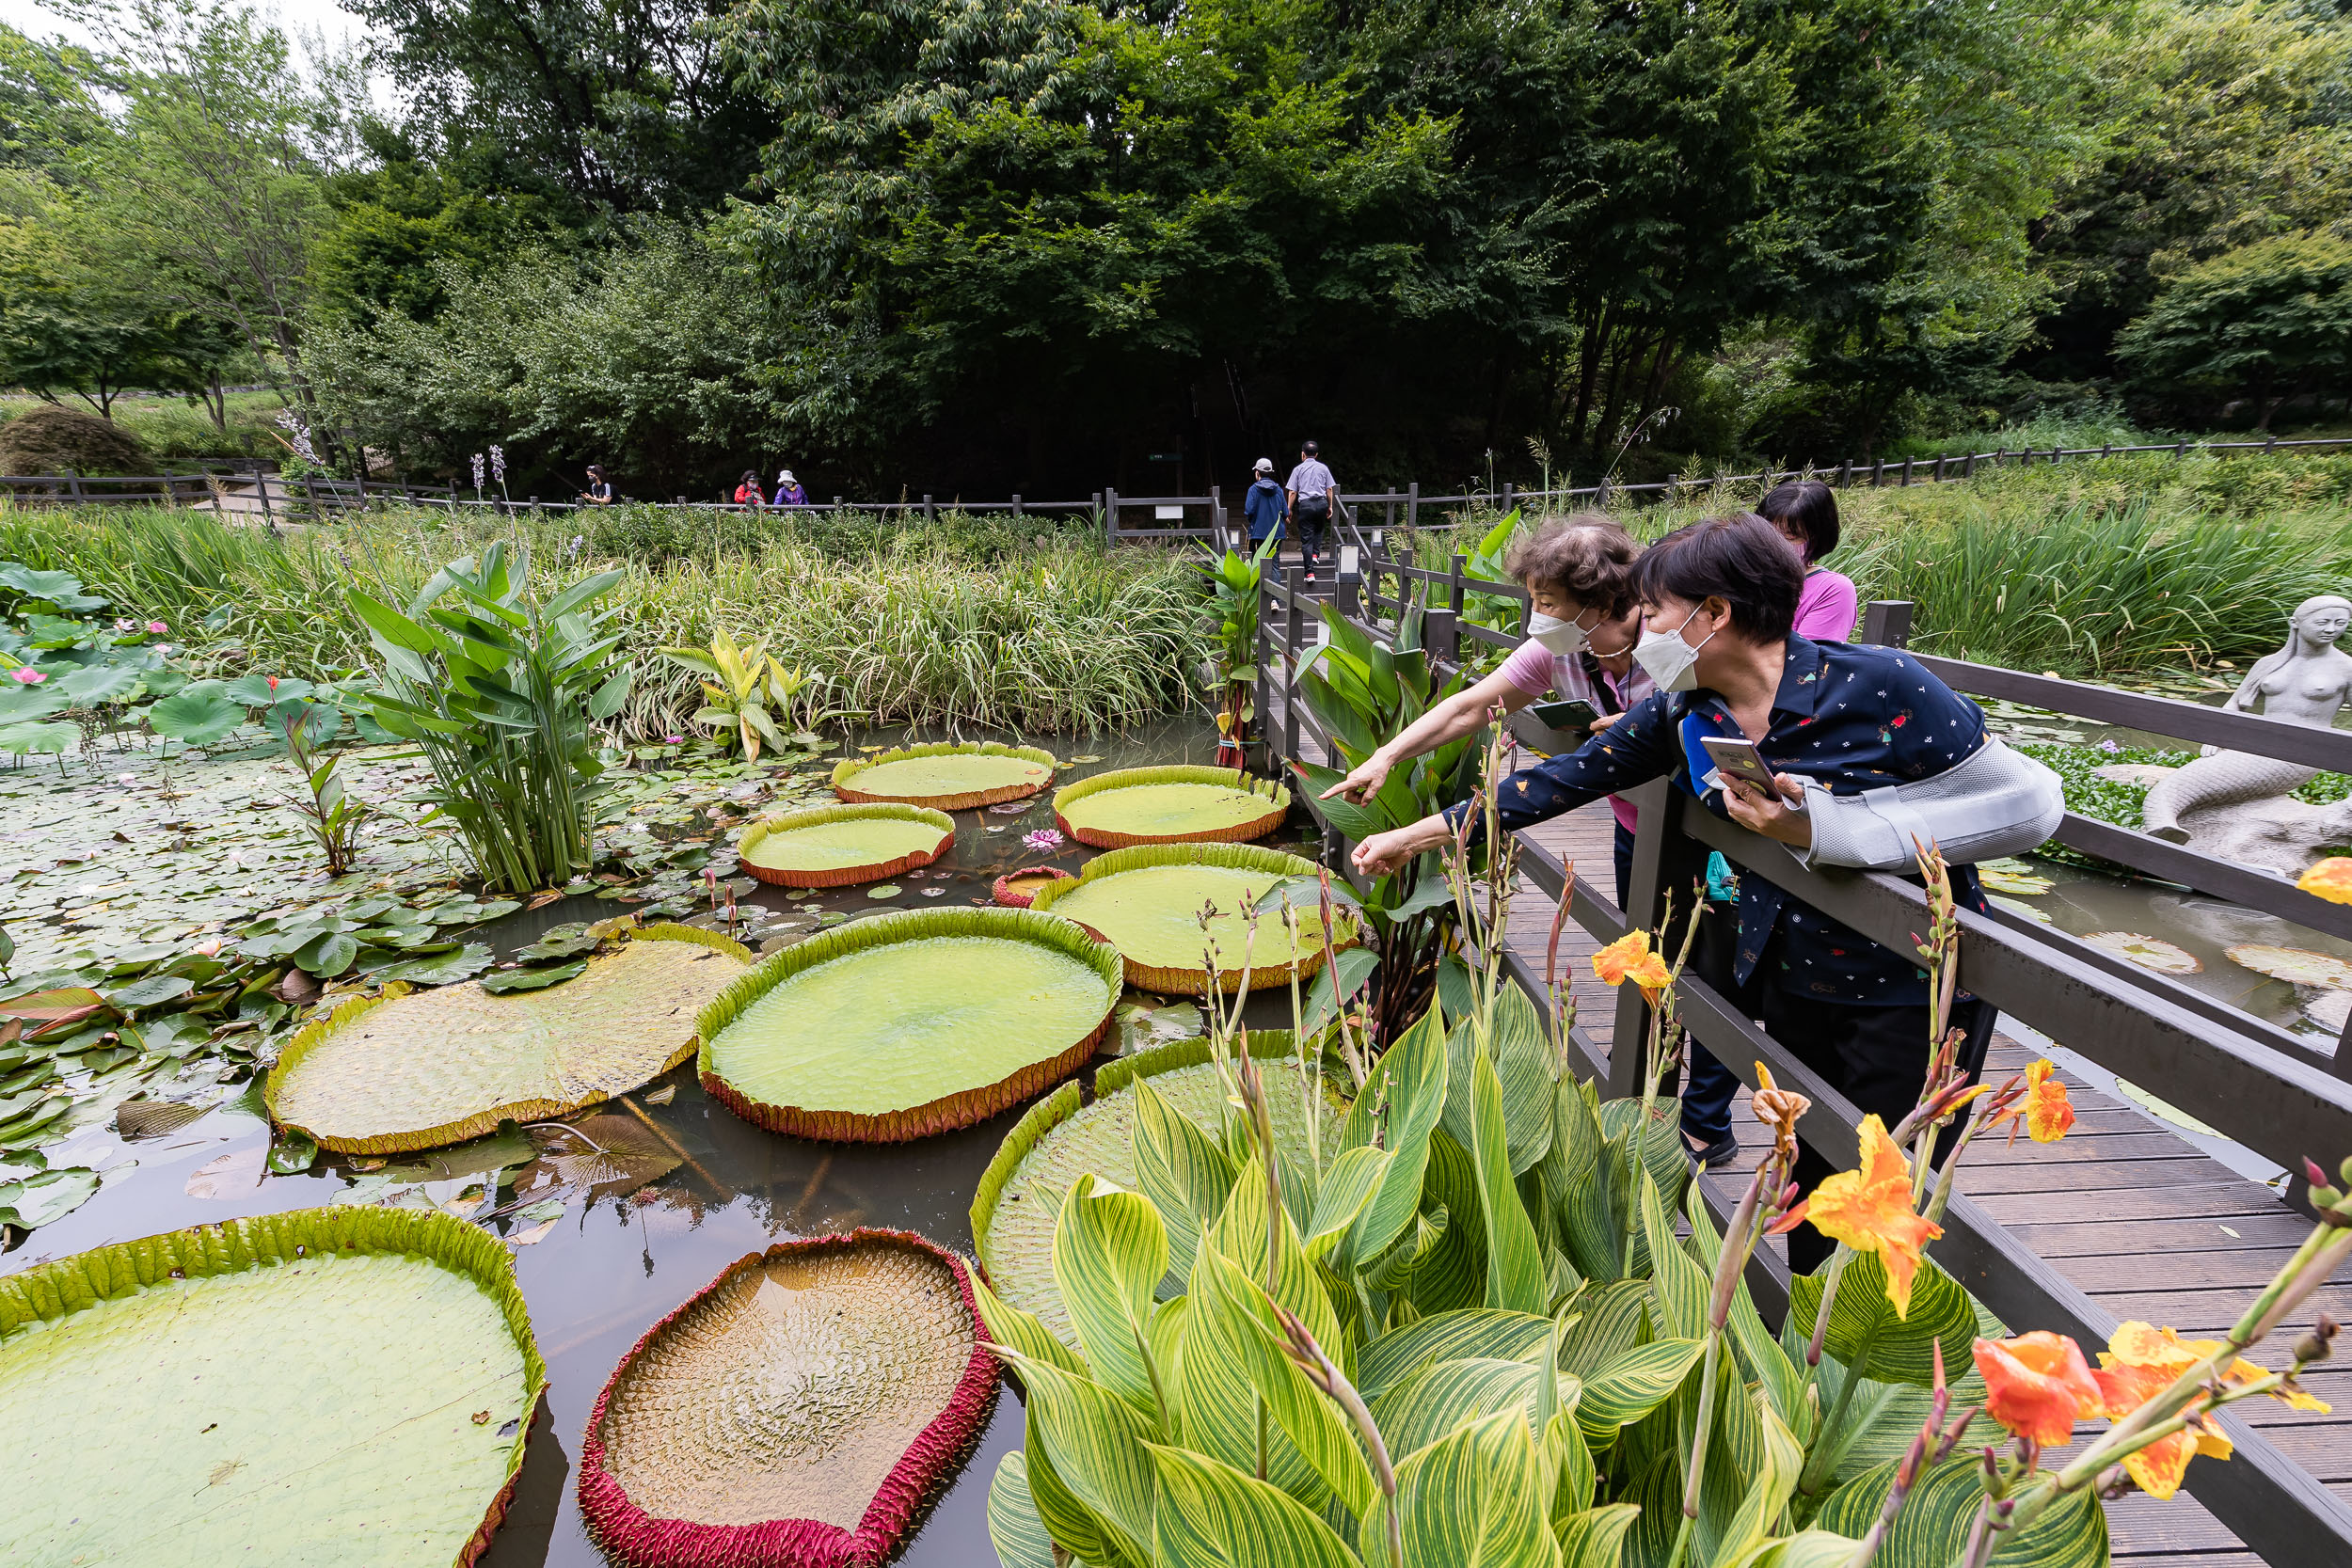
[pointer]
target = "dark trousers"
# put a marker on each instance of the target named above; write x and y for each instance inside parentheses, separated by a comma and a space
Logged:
(1877, 1057)
(1707, 1098)
(1310, 527)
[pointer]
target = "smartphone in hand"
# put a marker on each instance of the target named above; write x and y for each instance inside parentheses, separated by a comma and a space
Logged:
(1574, 715)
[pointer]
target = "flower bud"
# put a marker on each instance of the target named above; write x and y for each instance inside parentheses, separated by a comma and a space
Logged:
(2317, 1177)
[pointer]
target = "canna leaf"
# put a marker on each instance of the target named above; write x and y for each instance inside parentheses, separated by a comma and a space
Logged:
(1474, 1498)
(1098, 1446)
(1018, 1534)
(1630, 1386)
(1182, 1172)
(1517, 1280)
(1109, 1252)
(1211, 1515)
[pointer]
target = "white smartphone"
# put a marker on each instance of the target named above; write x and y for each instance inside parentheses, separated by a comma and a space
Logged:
(1736, 757)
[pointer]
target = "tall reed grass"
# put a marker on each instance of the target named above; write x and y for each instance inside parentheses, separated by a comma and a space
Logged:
(972, 624)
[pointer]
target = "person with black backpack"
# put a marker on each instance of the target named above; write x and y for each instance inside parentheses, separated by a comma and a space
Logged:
(1312, 493)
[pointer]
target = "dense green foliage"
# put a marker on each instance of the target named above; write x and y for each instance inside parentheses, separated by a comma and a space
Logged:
(1040, 246)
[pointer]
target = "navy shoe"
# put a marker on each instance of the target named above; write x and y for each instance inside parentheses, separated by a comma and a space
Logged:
(1716, 1156)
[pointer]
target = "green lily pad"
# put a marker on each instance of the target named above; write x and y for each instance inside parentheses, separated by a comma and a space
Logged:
(947, 776)
(2165, 958)
(1148, 900)
(401, 1380)
(511, 980)
(1059, 1140)
(2301, 966)
(446, 1065)
(911, 1022)
(841, 846)
(1169, 805)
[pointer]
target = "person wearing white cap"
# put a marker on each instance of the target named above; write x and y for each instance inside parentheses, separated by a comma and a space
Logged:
(789, 491)
(1266, 506)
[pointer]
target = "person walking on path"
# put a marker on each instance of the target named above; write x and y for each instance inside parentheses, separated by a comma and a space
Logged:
(789, 491)
(1264, 506)
(1311, 490)
(600, 491)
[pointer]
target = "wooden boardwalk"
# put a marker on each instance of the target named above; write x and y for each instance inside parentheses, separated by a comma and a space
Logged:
(2142, 1223)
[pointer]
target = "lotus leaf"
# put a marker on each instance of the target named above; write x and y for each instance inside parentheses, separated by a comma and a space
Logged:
(1147, 901)
(1059, 1140)
(798, 1413)
(1169, 805)
(271, 1390)
(842, 846)
(908, 1024)
(2300, 965)
(949, 776)
(446, 1065)
(2154, 953)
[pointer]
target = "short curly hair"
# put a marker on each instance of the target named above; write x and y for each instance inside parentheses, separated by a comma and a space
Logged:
(1589, 557)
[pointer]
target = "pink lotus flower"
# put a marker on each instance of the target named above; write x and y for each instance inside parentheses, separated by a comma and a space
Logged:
(213, 947)
(28, 677)
(157, 628)
(1044, 839)
(124, 626)
(673, 740)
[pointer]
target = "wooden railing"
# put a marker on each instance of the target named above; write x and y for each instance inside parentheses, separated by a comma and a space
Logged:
(2256, 1084)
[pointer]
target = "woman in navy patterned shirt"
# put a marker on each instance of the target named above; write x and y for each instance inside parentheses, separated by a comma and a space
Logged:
(1719, 599)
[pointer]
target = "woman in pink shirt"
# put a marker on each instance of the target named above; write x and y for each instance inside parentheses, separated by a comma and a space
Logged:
(1806, 512)
(1583, 623)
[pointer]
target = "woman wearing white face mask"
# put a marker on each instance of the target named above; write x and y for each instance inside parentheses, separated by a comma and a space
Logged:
(1581, 626)
(1868, 748)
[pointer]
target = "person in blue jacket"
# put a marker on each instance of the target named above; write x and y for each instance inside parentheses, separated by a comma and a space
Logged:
(1266, 506)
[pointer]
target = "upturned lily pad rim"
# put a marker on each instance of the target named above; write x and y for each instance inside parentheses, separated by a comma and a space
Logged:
(313, 1034)
(1013, 898)
(54, 1290)
(639, 1539)
(949, 1112)
(845, 876)
(1239, 857)
(1264, 1045)
(1276, 797)
(845, 772)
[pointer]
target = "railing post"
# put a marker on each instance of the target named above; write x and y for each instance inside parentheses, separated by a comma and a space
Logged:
(2179, 449)
(1216, 517)
(1297, 582)
(1887, 622)
(1878, 473)
(1939, 469)
(1906, 479)
(1845, 474)
(1347, 593)
(1508, 491)
(1441, 634)
(1110, 515)
(1968, 466)
(261, 487)
(72, 484)
(1264, 659)
(928, 515)
(1016, 503)
(1412, 504)
(1388, 516)
(1644, 910)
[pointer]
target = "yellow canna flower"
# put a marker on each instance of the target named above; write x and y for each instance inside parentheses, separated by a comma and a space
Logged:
(1869, 1210)
(1630, 958)
(2332, 879)
(2045, 1113)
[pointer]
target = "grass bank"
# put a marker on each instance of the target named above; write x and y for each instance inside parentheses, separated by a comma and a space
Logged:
(2093, 569)
(970, 623)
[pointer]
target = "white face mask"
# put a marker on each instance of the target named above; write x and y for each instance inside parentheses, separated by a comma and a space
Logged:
(1673, 663)
(1562, 638)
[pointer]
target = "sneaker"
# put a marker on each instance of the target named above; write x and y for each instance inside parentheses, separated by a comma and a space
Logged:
(1310, 579)
(1715, 1156)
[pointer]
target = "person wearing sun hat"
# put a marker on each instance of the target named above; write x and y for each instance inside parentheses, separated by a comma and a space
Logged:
(1266, 506)
(789, 491)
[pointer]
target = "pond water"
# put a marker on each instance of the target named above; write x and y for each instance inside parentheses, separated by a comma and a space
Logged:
(614, 1263)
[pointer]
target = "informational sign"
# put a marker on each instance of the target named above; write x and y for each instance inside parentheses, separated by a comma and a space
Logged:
(1167, 514)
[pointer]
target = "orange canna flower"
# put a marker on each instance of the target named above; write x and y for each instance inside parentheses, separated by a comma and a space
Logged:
(2038, 1384)
(2044, 1113)
(1630, 958)
(2332, 879)
(2161, 1353)
(2142, 1361)
(1869, 1210)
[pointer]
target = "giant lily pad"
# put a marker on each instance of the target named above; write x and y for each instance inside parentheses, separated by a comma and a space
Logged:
(1147, 901)
(946, 776)
(799, 1412)
(2165, 958)
(2300, 965)
(1017, 889)
(1169, 805)
(903, 1025)
(843, 845)
(287, 1389)
(1059, 1140)
(446, 1065)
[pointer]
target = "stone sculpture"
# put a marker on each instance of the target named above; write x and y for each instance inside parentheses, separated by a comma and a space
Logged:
(2238, 806)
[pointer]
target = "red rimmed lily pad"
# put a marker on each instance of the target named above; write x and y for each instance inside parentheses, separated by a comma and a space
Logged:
(1017, 890)
(802, 1411)
(844, 846)
(946, 776)
(1171, 805)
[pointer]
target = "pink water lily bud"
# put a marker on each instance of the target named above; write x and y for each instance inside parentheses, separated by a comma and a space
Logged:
(124, 626)
(28, 677)
(157, 628)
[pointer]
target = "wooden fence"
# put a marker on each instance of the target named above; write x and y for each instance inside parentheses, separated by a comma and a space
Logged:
(2256, 1084)
(1202, 516)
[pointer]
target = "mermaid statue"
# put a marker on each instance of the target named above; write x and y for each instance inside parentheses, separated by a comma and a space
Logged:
(2304, 683)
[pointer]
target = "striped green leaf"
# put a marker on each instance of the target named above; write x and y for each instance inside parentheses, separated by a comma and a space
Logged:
(1517, 1280)
(1475, 1331)
(1810, 1548)
(1182, 1170)
(1523, 1062)
(1410, 1082)
(1109, 1253)
(1440, 1398)
(1074, 1527)
(1013, 1528)
(1596, 1538)
(1244, 1322)
(1474, 1498)
(1864, 1333)
(1575, 1186)
(1633, 1385)
(1211, 1515)
(1613, 1318)
(1570, 1460)
(1453, 1273)
(1761, 1358)
(1348, 1185)
(1935, 1518)
(1393, 1268)
(1679, 1286)
(1021, 1331)
(1098, 1446)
